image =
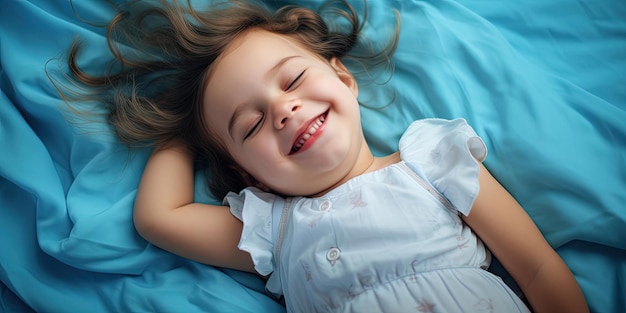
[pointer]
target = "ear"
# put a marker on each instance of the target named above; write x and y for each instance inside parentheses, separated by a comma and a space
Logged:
(344, 75)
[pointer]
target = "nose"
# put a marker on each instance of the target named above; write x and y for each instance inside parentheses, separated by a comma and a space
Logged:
(284, 110)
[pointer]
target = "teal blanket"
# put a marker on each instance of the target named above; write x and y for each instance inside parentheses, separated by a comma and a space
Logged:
(543, 82)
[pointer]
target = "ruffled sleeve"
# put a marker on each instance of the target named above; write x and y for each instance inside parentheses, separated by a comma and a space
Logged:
(254, 208)
(446, 154)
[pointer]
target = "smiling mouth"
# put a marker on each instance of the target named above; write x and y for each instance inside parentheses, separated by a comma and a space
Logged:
(309, 132)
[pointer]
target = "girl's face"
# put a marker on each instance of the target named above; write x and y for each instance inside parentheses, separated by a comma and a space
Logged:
(289, 118)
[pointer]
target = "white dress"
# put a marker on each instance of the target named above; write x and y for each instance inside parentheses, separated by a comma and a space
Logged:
(390, 240)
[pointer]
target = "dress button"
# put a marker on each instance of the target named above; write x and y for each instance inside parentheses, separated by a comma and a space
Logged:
(333, 255)
(325, 205)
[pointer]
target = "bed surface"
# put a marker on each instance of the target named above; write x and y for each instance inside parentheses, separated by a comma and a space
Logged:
(544, 84)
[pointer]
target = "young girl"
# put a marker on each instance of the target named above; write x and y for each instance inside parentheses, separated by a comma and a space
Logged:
(267, 103)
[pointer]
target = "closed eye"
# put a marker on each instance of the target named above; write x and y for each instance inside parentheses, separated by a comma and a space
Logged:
(254, 128)
(295, 81)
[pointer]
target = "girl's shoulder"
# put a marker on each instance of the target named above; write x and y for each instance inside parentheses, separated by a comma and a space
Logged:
(426, 140)
(255, 208)
(446, 154)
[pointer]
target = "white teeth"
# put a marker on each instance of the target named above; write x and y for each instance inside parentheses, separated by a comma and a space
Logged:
(314, 127)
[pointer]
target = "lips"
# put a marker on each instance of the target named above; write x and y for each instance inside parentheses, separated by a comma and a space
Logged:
(307, 133)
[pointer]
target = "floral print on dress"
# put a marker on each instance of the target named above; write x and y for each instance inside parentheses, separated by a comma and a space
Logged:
(307, 271)
(356, 200)
(425, 306)
(484, 305)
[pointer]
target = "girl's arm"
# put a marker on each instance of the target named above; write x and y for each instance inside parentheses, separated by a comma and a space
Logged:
(515, 240)
(166, 215)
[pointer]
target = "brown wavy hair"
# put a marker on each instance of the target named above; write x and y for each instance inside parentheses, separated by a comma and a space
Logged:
(152, 90)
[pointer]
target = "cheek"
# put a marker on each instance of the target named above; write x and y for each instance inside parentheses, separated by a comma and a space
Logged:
(334, 90)
(258, 159)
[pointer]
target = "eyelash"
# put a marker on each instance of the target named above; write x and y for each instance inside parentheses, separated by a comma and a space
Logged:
(254, 127)
(295, 81)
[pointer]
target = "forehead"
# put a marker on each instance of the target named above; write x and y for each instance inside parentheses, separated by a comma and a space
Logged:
(257, 50)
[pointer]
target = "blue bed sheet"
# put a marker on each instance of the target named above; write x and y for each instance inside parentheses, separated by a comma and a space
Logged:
(543, 82)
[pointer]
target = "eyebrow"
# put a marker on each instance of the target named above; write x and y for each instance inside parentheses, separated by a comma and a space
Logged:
(239, 108)
(280, 63)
